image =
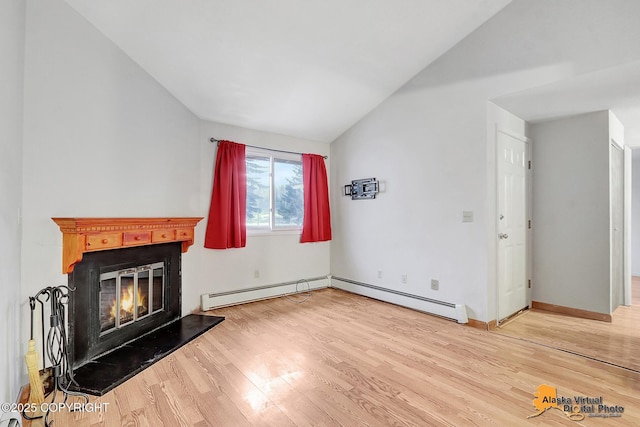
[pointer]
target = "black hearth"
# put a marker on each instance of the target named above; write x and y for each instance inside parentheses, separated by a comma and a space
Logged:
(102, 374)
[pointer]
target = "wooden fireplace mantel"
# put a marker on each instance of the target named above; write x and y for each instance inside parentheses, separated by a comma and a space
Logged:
(80, 235)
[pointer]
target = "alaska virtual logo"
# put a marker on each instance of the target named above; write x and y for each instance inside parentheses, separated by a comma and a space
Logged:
(576, 408)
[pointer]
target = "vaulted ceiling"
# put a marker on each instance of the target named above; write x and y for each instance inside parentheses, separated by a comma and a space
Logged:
(309, 69)
(615, 88)
(313, 68)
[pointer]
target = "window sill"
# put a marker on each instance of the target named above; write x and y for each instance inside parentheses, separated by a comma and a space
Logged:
(266, 233)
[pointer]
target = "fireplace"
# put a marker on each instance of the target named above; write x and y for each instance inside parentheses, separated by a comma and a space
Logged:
(124, 314)
(127, 279)
(120, 295)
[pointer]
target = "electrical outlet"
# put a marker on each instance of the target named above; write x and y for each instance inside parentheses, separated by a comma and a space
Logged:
(404, 278)
(379, 274)
(256, 274)
(435, 284)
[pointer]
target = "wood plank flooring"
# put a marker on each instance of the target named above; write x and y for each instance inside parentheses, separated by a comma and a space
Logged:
(340, 359)
(617, 342)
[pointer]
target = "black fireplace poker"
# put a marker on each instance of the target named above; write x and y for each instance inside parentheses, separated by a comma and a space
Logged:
(56, 344)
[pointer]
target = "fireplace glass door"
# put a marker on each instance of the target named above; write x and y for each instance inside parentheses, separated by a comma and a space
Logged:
(130, 295)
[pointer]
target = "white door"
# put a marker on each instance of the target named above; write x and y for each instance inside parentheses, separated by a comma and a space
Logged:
(617, 226)
(512, 164)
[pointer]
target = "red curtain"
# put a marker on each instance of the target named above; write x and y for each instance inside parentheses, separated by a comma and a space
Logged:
(226, 226)
(316, 225)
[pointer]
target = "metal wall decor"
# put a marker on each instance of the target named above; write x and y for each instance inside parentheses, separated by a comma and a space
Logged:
(366, 188)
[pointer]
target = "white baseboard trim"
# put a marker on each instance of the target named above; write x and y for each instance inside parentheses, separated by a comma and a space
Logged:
(455, 312)
(240, 296)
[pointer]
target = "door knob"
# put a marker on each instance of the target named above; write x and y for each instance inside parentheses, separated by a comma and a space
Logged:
(503, 236)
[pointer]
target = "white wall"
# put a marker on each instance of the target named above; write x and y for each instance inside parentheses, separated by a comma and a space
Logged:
(101, 138)
(571, 245)
(12, 344)
(428, 141)
(279, 258)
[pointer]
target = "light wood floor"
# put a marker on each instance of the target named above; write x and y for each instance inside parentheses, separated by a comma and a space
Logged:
(617, 342)
(345, 360)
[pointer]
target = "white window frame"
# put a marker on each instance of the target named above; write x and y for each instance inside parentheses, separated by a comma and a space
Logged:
(272, 228)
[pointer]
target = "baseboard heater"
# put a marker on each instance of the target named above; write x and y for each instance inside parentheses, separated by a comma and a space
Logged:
(455, 312)
(223, 299)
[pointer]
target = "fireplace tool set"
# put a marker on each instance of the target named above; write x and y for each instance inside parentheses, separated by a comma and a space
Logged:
(56, 350)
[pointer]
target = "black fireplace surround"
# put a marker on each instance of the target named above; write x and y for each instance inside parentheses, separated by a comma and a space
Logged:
(86, 342)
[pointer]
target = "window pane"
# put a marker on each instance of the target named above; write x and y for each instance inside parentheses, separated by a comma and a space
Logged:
(287, 181)
(142, 298)
(257, 191)
(126, 299)
(158, 288)
(107, 304)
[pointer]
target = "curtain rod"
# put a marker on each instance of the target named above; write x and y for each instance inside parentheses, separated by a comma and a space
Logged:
(212, 139)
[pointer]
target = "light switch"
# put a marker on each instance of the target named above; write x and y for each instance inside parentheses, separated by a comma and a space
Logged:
(467, 216)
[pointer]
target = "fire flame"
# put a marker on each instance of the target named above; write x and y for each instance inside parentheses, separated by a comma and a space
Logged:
(128, 303)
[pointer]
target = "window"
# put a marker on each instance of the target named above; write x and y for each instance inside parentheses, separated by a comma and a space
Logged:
(274, 192)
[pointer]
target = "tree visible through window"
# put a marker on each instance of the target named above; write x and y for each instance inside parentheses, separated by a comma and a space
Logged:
(258, 191)
(274, 193)
(288, 193)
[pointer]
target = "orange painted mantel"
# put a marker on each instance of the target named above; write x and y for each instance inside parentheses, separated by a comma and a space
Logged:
(80, 235)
